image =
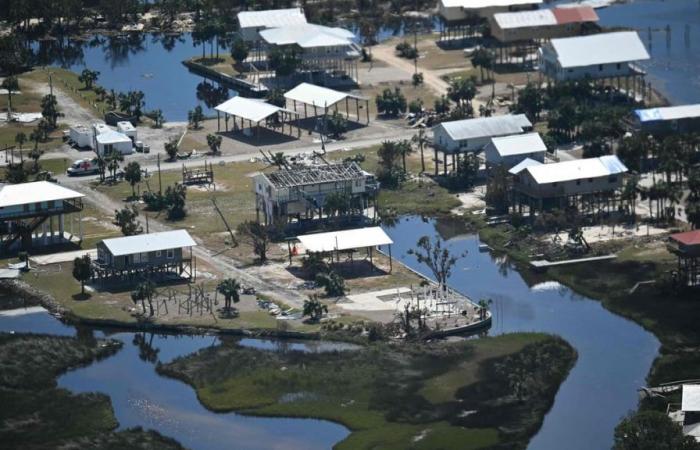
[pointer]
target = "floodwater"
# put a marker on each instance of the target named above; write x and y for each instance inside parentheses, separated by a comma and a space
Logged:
(614, 354)
(141, 397)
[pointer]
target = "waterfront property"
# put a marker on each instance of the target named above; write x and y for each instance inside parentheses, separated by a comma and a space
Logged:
(522, 32)
(299, 193)
(604, 56)
(322, 50)
(587, 184)
(324, 99)
(35, 213)
(251, 23)
(472, 135)
(509, 151)
(671, 119)
(256, 112)
(463, 18)
(347, 242)
(686, 247)
(145, 255)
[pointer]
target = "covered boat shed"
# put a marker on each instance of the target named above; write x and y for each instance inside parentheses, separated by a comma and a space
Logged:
(334, 242)
(322, 97)
(254, 111)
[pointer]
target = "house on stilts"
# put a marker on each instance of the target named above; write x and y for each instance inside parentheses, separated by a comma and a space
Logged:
(39, 214)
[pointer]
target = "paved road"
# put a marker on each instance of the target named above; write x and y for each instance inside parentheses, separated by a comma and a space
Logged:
(391, 134)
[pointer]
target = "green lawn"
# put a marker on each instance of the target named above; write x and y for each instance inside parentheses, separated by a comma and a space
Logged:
(385, 393)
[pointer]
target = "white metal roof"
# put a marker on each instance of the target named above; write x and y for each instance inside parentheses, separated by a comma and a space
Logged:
(39, 191)
(271, 18)
(577, 169)
(125, 126)
(316, 95)
(112, 137)
(308, 35)
(486, 126)
(480, 4)
(690, 401)
(345, 240)
(248, 108)
(518, 144)
(153, 242)
(523, 19)
(669, 113)
(522, 165)
(603, 48)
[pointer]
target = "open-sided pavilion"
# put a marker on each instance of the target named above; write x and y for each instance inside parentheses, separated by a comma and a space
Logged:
(254, 111)
(347, 241)
(323, 99)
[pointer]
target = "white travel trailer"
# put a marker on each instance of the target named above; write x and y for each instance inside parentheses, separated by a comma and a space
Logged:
(127, 129)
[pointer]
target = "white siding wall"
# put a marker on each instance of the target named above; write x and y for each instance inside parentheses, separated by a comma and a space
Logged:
(525, 183)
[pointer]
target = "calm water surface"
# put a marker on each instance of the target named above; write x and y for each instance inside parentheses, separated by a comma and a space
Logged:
(614, 354)
(140, 397)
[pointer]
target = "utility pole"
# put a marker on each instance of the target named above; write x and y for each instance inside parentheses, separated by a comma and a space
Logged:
(160, 182)
(51, 84)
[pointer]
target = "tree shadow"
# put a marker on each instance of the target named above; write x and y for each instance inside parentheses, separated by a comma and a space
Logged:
(79, 297)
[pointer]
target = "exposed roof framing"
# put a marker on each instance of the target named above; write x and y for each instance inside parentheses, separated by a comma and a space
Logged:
(289, 178)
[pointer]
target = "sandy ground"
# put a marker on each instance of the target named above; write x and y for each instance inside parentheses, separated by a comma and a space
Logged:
(473, 199)
(602, 233)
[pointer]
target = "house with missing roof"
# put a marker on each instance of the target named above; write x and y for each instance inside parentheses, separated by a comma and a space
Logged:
(472, 135)
(590, 185)
(670, 119)
(596, 57)
(298, 194)
(509, 151)
(145, 255)
(323, 50)
(39, 213)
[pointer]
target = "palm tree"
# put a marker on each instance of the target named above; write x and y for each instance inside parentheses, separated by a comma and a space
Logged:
(421, 140)
(11, 84)
(405, 148)
(144, 292)
(20, 139)
(314, 309)
(230, 289)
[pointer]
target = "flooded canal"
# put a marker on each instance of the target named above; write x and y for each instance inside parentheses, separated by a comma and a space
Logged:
(615, 354)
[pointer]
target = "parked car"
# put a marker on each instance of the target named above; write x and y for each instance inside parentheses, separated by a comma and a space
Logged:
(83, 167)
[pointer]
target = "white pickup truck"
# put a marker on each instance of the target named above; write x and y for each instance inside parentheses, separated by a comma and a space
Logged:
(83, 167)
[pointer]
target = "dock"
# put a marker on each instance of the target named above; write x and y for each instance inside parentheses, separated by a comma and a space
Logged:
(543, 264)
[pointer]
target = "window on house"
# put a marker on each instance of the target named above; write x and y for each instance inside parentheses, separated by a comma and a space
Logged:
(590, 180)
(600, 67)
(159, 254)
(612, 178)
(171, 254)
(554, 184)
(578, 182)
(619, 66)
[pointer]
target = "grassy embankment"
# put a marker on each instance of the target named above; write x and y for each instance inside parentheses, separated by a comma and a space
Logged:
(391, 396)
(36, 414)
